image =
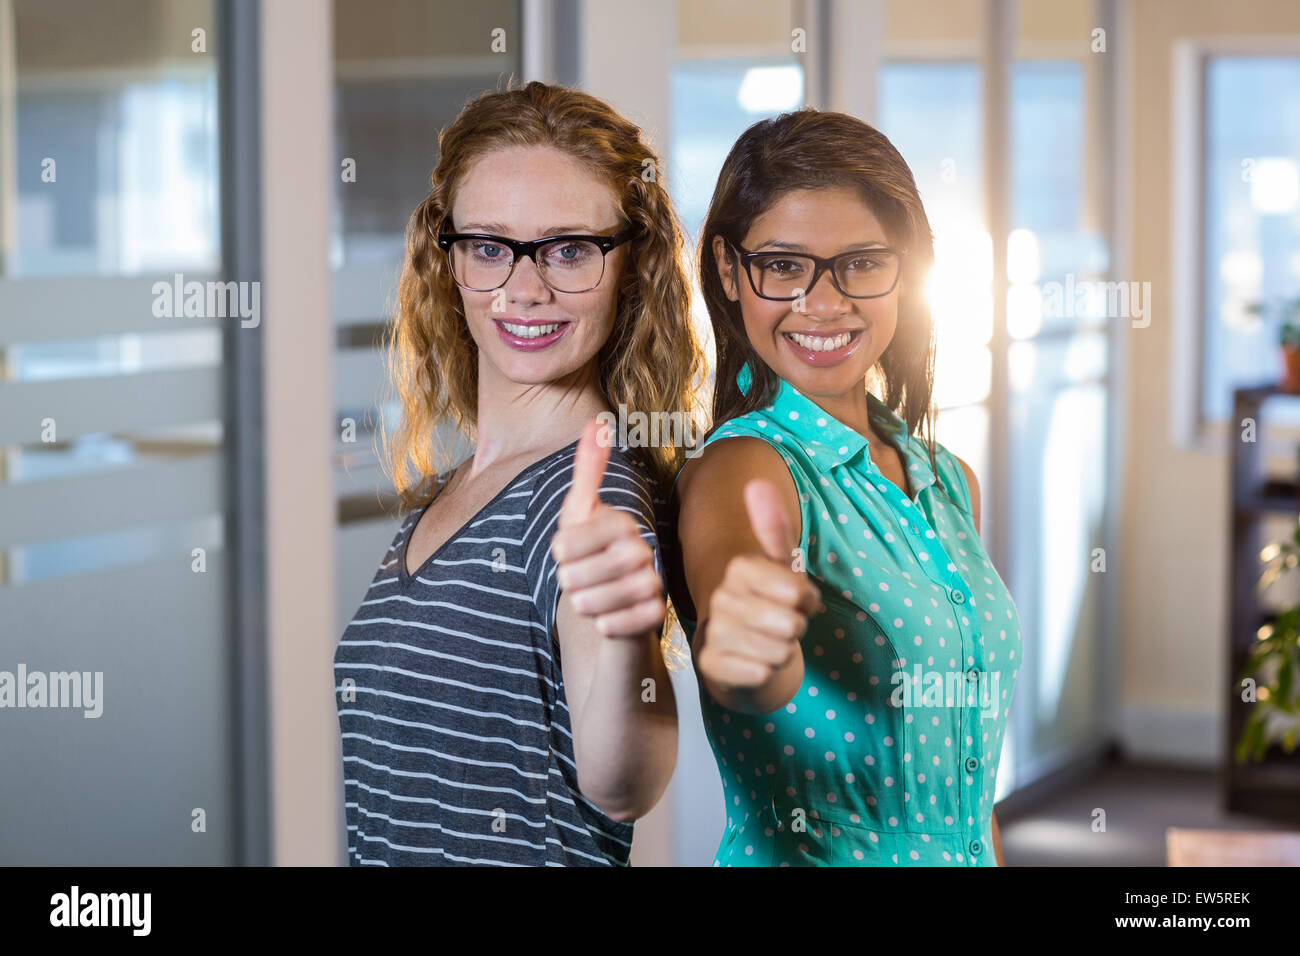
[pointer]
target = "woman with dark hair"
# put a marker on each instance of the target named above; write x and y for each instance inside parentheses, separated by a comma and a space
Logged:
(502, 694)
(856, 649)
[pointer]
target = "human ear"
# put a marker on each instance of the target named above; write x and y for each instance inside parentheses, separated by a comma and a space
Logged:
(726, 268)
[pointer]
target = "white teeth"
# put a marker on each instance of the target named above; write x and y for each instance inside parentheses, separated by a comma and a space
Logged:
(531, 331)
(821, 343)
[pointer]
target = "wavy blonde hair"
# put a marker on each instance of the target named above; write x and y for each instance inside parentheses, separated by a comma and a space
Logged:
(652, 360)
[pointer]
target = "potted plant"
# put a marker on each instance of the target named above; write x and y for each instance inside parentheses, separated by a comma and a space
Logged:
(1289, 339)
(1274, 663)
(1288, 315)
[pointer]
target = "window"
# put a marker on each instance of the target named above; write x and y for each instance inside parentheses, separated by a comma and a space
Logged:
(729, 72)
(931, 112)
(402, 71)
(1251, 249)
(713, 102)
(114, 451)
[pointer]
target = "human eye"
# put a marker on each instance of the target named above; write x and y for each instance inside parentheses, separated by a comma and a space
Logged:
(570, 253)
(487, 250)
(781, 266)
(865, 262)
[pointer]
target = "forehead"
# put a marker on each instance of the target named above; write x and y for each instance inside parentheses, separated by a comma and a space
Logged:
(530, 189)
(809, 215)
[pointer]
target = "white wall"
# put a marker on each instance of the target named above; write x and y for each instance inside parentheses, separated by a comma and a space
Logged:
(1174, 540)
(297, 139)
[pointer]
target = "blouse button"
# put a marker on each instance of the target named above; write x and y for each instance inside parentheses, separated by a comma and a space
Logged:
(972, 764)
(976, 847)
(958, 597)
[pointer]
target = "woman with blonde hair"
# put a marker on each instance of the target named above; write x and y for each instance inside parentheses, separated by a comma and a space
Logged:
(501, 690)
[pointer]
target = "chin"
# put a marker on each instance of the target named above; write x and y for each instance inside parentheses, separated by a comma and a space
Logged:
(537, 369)
(830, 380)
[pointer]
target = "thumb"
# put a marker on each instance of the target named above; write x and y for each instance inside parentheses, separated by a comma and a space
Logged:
(770, 523)
(588, 473)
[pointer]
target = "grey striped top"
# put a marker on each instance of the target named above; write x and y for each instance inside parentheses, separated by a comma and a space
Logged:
(457, 746)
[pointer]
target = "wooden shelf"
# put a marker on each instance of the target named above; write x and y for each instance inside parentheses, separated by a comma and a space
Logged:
(1273, 496)
(1270, 788)
(1271, 776)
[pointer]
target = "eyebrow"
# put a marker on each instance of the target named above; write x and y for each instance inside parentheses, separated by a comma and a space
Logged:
(499, 229)
(800, 247)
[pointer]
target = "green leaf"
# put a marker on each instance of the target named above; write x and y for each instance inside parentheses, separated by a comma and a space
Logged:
(1250, 735)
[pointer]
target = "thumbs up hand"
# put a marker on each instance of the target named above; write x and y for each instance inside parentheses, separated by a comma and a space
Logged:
(603, 564)
(760, 610)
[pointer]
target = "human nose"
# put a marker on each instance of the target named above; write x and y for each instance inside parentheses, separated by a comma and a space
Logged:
(824, 297)
(526, 283)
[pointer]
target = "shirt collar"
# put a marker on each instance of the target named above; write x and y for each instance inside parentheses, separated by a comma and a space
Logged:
(812, 424)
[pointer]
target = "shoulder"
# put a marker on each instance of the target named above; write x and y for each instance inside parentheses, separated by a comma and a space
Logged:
(972, 481)
(628, 484)
(958, 468)
(710, 486)
(735, 453)
(626, 468)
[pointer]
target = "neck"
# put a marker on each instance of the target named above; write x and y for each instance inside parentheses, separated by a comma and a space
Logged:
(850, 408)
(530, 421)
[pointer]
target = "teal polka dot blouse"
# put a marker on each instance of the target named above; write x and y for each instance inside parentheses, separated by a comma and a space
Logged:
(888, 753)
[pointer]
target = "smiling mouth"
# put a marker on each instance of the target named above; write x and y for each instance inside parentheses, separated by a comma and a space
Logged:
(530, 331)
(822, 343)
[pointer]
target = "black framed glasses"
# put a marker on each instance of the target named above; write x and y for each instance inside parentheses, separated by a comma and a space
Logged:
(785, 276)
(482, 263)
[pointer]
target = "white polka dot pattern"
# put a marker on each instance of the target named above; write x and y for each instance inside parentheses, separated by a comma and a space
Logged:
(888, 753)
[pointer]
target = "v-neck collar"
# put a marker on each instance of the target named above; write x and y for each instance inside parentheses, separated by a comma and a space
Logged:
(402, 576)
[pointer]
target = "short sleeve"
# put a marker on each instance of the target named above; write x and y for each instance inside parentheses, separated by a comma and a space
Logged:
(627, 486)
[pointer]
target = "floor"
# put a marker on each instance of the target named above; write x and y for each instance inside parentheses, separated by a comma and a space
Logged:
(1139, 803)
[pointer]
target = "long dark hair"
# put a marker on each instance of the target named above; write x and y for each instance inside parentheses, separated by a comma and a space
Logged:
(811, 149)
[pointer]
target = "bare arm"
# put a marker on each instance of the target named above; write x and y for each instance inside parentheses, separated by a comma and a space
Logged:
(624, 729)
(973, 484)
(608, 623)
(752, 607)
(997, 841)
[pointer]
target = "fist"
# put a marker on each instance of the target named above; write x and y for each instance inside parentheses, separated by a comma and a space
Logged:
(603, 564)
(760, 610)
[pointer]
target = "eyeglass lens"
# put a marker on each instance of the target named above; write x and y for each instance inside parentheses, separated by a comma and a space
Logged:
(788, 275)
(566, 265)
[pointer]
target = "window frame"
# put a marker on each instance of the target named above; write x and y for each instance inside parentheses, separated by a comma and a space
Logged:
(1190, 429)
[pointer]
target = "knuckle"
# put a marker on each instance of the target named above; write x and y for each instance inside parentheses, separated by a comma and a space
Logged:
(739, 567)
(650, 583)
(655, 613)
(628, 552)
